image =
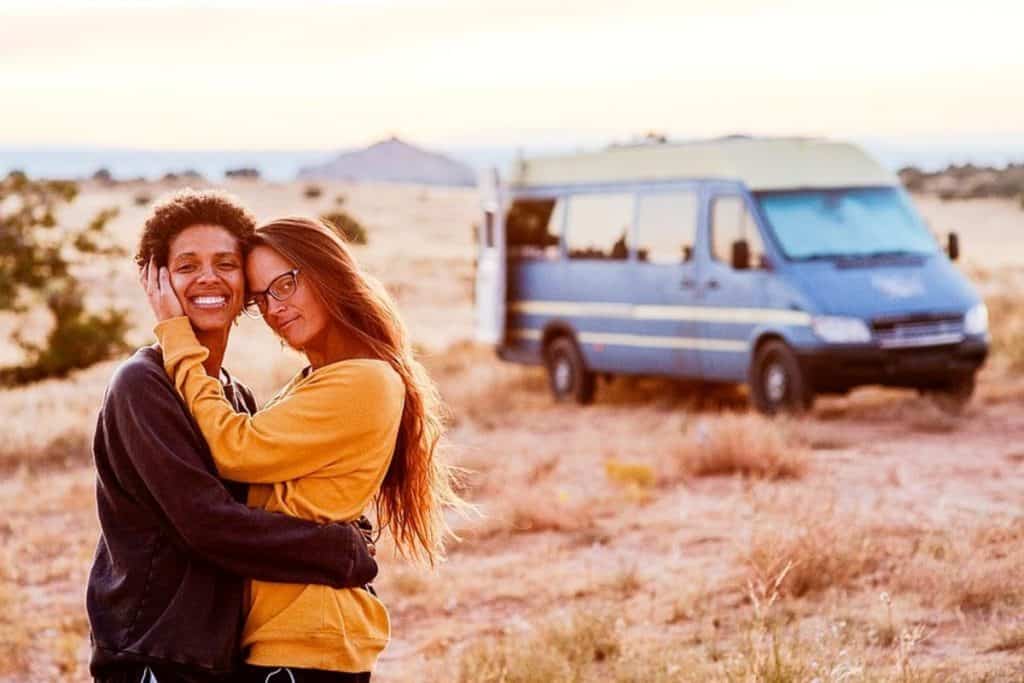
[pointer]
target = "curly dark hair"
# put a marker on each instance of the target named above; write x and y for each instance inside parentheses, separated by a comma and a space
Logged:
(186, 208)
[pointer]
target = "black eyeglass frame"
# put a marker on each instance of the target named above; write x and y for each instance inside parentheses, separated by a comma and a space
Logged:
(253, 299)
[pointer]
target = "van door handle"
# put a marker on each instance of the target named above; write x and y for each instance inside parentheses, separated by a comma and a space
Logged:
(688, 283)
(711, 284)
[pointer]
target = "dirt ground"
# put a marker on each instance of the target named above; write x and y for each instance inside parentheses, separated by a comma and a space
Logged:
(876, 539)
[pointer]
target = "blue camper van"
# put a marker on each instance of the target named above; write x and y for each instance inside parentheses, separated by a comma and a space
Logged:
(796, 266)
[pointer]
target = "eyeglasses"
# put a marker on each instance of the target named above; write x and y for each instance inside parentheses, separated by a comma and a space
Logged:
(281, 287)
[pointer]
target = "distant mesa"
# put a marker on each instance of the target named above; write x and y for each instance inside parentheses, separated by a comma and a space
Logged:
(393, 161)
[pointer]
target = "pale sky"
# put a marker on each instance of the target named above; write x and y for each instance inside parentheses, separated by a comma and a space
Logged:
(327, 75)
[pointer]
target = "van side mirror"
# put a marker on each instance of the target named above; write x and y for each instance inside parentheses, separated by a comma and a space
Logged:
(741, 255)
(953, 246)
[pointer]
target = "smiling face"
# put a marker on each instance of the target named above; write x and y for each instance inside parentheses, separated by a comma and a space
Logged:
(299, 319)
(205, 263)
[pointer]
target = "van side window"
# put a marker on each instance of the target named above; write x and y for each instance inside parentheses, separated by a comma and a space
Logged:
(666, 226)
(598, 226)
(533, 227)
(731, 221)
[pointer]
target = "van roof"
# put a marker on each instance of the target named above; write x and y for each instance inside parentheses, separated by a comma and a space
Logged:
(760, 163)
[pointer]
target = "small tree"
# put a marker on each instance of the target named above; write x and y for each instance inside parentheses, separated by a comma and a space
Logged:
(36, 259)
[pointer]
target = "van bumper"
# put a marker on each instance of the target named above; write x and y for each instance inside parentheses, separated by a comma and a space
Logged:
(839, 369)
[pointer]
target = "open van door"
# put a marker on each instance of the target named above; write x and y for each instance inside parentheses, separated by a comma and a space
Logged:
(491, 265)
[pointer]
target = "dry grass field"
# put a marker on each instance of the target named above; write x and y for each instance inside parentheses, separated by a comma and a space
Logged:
(663, 534)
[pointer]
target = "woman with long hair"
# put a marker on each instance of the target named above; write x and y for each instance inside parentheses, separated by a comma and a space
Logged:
(359, 425)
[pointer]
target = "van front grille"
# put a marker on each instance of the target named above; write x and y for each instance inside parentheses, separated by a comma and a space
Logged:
(918, 331)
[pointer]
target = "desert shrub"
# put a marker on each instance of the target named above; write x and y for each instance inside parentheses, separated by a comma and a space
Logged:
(804, 547)
(340, 199)
(912, 178)
(312, 192)
(1009, 640)
(78, 339)
(245, 173)
(103, 175)
(142, 198)
(969, 568)
(559, 652)
(38, 263)
(810, 559)
(1006, 317)
(351, 229)
(745, 444)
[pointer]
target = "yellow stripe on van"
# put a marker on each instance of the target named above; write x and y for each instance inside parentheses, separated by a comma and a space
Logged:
(644, 341)
(715, 314)
(578, 308)
(525, 333)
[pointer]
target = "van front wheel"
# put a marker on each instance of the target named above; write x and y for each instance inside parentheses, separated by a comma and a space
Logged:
(954, 396)
(777, 383)
(567, 373)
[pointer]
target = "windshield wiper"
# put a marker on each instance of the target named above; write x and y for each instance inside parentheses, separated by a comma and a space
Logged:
(862, 256)
(893, 253)
(819, 256)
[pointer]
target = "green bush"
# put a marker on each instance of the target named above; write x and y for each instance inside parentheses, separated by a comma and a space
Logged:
(349, 228)
(78, 339)
(38, 263)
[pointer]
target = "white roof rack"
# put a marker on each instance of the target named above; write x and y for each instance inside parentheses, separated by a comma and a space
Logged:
(760, 163)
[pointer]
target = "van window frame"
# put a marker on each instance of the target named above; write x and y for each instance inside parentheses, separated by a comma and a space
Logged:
(630, 231)
(713, 191)
(694, 187)
(559, 248)
(636, 188)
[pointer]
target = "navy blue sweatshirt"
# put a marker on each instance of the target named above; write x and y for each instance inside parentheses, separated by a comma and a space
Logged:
(166, 586)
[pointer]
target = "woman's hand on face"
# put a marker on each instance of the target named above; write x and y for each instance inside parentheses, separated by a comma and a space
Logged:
(162, 298)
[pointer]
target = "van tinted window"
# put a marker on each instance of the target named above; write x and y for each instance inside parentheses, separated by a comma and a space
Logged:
(731, 221)
(533, 227)
(666, 227)
(598, 226)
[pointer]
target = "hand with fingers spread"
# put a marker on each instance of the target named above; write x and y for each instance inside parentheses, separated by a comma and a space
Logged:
(162, 297)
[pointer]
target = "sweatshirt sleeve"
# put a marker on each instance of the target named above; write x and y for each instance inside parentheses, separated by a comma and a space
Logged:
(155, 446)
(343, 408)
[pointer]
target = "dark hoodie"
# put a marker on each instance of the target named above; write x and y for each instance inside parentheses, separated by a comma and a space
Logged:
(166, 586)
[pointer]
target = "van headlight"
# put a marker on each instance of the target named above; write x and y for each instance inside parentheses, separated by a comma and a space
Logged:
(976, 320)
(839, 330)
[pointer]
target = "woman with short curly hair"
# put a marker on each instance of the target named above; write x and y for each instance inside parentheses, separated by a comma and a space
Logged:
(359, 426)
(166, 588)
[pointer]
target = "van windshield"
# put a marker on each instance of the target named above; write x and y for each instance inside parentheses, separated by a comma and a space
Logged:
(852, 222)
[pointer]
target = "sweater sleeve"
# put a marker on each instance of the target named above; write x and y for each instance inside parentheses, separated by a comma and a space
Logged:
(343, 408)
(154, 447)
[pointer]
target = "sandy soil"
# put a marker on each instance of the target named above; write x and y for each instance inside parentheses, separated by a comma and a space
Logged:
(673, 556)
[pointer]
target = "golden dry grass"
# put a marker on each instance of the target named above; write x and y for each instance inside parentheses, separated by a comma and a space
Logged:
(744, 444)
(816, 550)
(969, 568)
(663, 534)
(561, 651)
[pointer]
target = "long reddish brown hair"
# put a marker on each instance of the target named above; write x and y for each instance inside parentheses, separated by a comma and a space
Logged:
(418, 485)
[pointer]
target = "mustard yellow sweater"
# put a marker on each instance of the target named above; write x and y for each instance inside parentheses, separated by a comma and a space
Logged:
(318, 450)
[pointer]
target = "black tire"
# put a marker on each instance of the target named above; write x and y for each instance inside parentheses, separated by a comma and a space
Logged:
(777, 382)
(954, 397)
(568, 376)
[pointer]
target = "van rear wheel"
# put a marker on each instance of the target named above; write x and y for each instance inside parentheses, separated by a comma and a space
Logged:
(568, 376)
(777, 382)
